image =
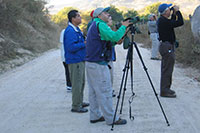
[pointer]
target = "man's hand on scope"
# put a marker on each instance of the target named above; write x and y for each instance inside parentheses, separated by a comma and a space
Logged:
(126, 23)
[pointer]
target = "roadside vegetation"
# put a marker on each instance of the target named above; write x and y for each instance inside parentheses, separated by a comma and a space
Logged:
(186, 54)
(26, 31)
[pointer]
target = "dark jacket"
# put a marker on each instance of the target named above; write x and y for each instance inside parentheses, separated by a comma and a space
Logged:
(166, 27)
(95, 46)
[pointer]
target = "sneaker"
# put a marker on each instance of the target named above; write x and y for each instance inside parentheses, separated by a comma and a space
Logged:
(120, 122)
(168, 94)
(98, 120)
(79, 110)
(69, 88)
(85, 104)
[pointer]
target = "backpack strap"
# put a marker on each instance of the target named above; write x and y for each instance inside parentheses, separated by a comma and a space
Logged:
(98, 28)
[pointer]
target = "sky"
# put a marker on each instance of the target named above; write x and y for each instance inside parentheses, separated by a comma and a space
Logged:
(62, 2)
(92, 4)
(59, 4)
(185, 5)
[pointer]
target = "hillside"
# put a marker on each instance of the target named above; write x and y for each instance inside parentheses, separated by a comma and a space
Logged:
(26, 31)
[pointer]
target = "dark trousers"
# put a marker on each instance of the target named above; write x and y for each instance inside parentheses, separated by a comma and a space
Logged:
(167, 52)
(68, 81)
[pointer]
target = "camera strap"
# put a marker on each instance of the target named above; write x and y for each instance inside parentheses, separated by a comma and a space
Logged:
(98, 29)
(131, 117)
(109, 67)
(106, 47)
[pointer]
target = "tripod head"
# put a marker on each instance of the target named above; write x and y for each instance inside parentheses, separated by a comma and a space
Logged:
(134, 29)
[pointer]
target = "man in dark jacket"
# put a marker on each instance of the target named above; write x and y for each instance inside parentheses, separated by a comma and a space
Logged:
(167, 45)
(74, 45)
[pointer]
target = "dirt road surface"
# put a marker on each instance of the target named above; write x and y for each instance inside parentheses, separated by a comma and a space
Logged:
(33, 99)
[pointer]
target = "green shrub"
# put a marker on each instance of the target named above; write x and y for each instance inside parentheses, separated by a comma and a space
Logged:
(25, 24)
(185, 53)
(144, 37)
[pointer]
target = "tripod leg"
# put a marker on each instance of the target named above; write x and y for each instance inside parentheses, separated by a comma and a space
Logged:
(124, 90)
(120, 90)
(151, 83)
(131, 62)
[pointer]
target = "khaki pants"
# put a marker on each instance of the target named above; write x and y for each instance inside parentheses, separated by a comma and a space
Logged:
(110, 63)
(100, 92)
(77, 76)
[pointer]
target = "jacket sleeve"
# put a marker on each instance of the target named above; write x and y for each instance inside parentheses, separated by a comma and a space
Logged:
(176, 20)
(72, 42)
(62, 36)
(108, 34)
(152, 24)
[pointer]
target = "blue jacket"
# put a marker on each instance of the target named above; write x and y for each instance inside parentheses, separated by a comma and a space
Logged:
(74, 45)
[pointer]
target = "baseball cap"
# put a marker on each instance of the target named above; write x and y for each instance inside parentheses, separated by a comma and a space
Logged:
(99, 11)
(162, 8)
(150, 15)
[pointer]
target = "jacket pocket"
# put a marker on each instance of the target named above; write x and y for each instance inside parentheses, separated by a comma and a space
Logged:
(165, 48)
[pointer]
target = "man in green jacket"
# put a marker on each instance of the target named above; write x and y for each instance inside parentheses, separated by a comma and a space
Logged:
(100, 38)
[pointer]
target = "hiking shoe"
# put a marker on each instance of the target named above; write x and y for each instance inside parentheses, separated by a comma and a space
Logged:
(98, 120)
(154, 58)
(69, 89)
(168, 94)
(85, 104)
(120, 122)
(172, 91)
(80, 110)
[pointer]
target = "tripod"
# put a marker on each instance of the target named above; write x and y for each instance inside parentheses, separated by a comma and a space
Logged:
(129, 65)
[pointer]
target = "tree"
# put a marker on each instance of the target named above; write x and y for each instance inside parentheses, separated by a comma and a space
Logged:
(61, 17)
(153, 8)
(85, 20)
(130, 13)
(116, 14)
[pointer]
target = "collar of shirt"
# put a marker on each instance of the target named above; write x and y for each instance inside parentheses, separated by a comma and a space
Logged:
(99, 20)
(75, 28)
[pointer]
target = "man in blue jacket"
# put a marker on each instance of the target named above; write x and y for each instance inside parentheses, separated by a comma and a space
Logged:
(74, 45)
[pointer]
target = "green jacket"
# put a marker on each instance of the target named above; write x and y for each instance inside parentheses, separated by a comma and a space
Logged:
(107, 33)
